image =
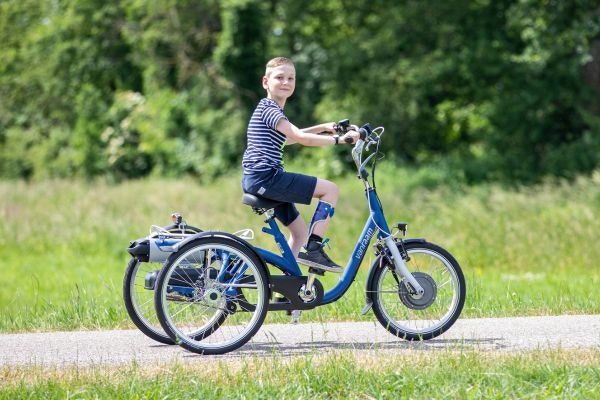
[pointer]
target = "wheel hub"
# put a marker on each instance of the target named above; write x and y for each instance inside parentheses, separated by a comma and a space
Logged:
(213, 297)
(419, 302)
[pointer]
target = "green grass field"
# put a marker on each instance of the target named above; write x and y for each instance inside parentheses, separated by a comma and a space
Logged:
(411, 375)
(526, 251)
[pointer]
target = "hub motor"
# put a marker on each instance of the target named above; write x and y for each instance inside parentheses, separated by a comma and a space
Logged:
(415, 302)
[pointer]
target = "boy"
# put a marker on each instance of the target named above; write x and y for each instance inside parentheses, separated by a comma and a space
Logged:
(268, 131)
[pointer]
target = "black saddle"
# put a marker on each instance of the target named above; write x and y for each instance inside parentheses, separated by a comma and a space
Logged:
(259, 202)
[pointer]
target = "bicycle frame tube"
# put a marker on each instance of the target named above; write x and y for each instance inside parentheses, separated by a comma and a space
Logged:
(375, 222)
(286, 262)
(292, 268)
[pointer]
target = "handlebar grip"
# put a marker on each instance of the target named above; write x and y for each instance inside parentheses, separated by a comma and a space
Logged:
(348, 139)
(365, 131)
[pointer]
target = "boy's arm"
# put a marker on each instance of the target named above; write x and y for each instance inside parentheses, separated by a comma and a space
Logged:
(327, 127)
(295, 135)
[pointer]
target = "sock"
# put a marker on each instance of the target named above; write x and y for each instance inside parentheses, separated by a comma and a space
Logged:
(315, 238)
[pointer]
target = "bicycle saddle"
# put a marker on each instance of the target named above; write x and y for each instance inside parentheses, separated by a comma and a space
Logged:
(256, 201)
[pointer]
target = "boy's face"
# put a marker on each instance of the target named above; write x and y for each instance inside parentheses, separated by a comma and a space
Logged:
(280, 81)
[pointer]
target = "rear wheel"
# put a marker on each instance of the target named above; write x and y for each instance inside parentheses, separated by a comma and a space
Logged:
(139, 300)
(212, 295)
(422, 317)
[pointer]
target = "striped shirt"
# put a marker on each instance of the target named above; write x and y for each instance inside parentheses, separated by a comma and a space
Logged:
(264, 149)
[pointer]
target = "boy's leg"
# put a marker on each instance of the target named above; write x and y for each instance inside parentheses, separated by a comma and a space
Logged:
(298, 235)
(290, 217)
(327, 192)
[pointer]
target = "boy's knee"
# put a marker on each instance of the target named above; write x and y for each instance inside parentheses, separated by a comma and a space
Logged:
(327, 190)
(333, 192)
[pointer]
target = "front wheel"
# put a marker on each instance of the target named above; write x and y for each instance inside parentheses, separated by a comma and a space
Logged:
(422, 317)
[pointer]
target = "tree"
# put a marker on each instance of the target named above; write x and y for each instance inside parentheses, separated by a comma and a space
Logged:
(495, 89)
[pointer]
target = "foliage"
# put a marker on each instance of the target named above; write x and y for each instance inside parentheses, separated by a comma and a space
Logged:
(494, 89)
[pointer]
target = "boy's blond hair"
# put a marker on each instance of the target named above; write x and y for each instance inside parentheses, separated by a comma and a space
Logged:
(276, 62)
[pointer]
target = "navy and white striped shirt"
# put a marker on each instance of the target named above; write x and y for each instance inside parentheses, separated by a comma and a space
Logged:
(264, 149)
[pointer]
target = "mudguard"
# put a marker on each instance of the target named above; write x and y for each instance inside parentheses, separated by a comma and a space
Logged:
(237, 239)
(156, 248)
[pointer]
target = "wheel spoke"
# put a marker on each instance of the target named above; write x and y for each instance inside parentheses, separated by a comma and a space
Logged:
(427, 315)
(226, 314)
(446, 282)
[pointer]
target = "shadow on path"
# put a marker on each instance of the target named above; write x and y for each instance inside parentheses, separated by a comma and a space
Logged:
(269, 349)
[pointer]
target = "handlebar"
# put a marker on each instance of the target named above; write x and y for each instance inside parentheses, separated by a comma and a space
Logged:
(367, 137)
(365, 131)
(343, 126)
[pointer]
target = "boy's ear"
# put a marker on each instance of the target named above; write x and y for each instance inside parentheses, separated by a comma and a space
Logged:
(265, 79)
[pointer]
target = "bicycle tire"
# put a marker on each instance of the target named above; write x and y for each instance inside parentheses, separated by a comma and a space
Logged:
(139, 302)
(412, 318)
(203, 321)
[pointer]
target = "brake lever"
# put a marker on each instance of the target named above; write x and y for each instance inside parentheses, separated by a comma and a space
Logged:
(371, 141)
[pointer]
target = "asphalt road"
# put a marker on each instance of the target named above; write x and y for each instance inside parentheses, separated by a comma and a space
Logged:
(99, 348)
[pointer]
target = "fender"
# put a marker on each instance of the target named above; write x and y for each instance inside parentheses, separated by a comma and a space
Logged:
(369, 285)
(237, 239)
(155, 249)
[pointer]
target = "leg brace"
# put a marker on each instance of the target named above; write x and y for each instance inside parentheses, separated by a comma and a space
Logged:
(323, 211)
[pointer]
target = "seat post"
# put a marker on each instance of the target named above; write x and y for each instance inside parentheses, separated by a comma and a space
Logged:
(270, 213)
(273, 228)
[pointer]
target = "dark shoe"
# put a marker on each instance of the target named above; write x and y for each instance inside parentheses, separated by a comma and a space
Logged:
(316, 257)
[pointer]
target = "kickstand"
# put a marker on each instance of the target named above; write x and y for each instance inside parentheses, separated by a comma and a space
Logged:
(296, 316)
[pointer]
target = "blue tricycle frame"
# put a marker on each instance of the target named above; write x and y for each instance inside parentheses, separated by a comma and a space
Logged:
(397, 278)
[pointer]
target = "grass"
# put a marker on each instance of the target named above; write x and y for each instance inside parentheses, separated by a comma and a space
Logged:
(557, 374)
(524, 251)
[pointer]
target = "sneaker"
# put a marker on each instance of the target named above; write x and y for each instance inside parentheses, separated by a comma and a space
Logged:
(316, 257)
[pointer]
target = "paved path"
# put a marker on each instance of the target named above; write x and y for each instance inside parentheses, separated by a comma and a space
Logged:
(85, 348)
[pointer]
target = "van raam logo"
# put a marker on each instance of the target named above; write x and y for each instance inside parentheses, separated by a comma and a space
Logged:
(364, 243)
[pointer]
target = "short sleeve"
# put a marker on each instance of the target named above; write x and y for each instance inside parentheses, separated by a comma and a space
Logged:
(271, 115)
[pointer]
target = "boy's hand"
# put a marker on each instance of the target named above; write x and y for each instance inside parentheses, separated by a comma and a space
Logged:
(328, 127)
(350, 137)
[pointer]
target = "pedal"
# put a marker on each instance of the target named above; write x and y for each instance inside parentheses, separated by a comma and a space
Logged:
(296, 316)
(319, 272)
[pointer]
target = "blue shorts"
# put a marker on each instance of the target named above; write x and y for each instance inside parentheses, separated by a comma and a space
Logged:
(283, 186)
